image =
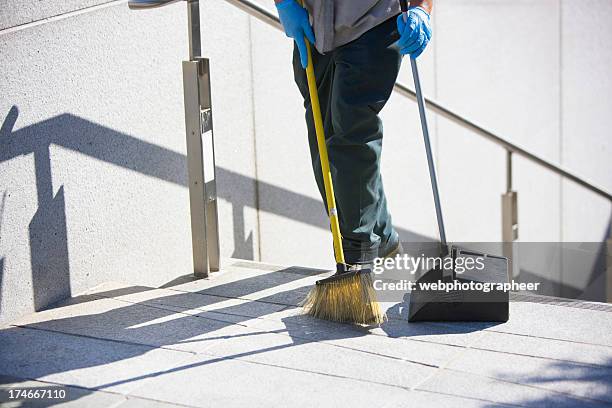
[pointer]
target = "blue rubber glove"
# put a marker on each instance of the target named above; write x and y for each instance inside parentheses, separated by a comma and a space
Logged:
(414, 34)
(296, 24)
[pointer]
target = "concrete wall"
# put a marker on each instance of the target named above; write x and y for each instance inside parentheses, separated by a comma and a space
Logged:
(92, 150)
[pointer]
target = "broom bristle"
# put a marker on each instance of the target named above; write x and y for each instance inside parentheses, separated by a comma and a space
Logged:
(351, 299)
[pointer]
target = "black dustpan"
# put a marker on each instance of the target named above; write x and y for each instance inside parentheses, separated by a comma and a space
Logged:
(461, 304)
(469, 305)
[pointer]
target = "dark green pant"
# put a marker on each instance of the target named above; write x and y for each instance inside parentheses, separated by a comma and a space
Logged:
(354, 82)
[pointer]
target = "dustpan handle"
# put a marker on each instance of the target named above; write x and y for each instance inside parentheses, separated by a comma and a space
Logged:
(430, 160)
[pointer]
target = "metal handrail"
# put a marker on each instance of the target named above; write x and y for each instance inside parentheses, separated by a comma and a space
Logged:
(509, 146)
(264, 15)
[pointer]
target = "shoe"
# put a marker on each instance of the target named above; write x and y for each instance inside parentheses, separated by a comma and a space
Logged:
(392, 247)
(389, 250)
(397, 250)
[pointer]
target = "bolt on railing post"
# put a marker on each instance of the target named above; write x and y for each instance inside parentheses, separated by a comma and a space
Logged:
(510, 218)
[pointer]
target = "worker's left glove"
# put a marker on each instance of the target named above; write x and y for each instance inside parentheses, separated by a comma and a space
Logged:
(296, 24)
(415, 33)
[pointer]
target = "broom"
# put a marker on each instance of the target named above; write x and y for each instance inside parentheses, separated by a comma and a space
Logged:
(348, 295)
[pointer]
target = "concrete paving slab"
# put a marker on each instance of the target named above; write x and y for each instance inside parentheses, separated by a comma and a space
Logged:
(420, 398)
(234, 383)
(287, 319)
(331, 359)
(424, 345)
(585, 381)
(291, 322)
(558, 322)
(458, 334)
(286, 286)
(188, 330)
(73, 397)
(293, 318)
(287, 323)
(81, 361)
(421, 352)
(116, 320)
(134, 402)
(547, 348)
(262, 266)
(231, 306)
(188, 300)
(499, 392)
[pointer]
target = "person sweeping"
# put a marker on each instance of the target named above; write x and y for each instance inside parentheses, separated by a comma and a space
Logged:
(346, 80)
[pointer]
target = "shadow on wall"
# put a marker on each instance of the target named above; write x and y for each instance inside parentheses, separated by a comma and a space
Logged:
(49, 257)
(47, 230)
(2, 202)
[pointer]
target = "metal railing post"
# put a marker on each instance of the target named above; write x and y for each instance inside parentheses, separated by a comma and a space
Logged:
(510, 218)
(200, 152)
(200, 143)
(193, 23)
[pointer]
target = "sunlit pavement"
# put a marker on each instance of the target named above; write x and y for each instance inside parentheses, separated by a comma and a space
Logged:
(239, 339)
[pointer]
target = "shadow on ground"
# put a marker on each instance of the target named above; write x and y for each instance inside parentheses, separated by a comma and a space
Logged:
(187, 321)
(145, 323)
(558, 373)
(162, 321)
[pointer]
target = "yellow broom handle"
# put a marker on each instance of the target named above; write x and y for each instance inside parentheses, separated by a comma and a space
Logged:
(327, 178)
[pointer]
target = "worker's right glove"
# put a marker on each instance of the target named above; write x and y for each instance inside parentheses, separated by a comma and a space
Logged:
(415, 34)
(296, 24)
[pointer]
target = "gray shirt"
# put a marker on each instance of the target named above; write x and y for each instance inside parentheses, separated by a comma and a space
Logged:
(337, 22)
